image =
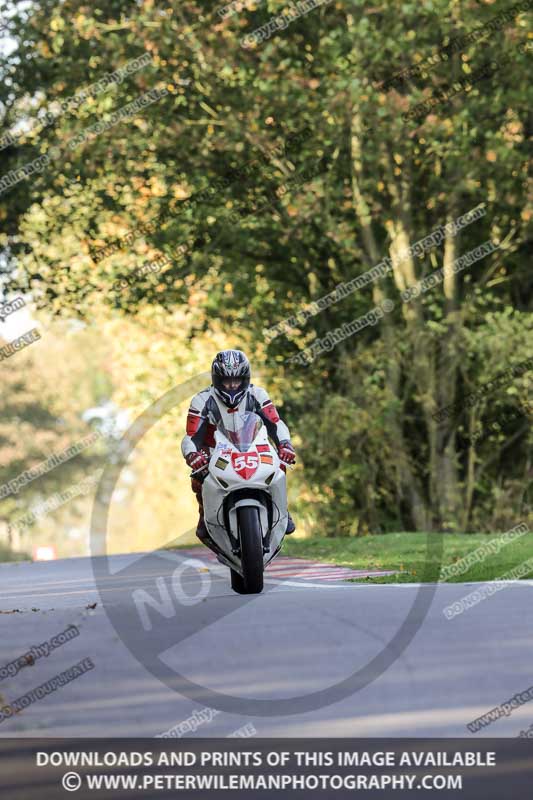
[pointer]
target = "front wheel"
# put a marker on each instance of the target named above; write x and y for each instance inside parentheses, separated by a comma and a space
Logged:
(237, 582)
(251, 549)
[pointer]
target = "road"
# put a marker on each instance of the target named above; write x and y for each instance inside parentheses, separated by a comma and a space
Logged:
(299, 637)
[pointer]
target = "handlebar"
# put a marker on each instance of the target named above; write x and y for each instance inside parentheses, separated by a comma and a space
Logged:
(200, 469)
(286, 464)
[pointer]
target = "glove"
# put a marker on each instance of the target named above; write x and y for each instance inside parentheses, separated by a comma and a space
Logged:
(286, 452)
(196, 461)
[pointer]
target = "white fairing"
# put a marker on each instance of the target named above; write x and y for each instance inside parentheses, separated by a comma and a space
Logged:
(225, 463)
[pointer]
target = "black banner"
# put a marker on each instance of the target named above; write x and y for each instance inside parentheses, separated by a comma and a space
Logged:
(485, 769)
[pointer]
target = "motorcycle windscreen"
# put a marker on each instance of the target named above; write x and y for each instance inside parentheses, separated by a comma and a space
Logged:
(242, 430)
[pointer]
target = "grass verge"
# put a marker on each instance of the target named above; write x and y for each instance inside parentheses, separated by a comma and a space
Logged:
(405, 553)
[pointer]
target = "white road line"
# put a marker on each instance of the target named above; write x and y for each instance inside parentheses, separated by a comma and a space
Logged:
(220, 572)
(294, 584)
(103, 579)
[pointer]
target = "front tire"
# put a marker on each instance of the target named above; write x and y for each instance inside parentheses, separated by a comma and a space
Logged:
(251, 549)
(237, 582)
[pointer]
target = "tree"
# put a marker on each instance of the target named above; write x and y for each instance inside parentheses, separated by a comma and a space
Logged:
(273, 217)
(46, 388)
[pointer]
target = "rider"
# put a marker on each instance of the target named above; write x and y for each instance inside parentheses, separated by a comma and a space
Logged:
(230, 392)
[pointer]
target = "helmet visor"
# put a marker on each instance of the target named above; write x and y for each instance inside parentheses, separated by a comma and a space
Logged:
(232, 384)
(231, 388)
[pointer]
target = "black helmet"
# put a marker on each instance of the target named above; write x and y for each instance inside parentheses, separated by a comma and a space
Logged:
(230, 364)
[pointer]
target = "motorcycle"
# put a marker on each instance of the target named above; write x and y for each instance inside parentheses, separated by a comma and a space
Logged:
(245, 500)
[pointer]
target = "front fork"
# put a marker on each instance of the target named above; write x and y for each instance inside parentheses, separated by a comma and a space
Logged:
(265, 539)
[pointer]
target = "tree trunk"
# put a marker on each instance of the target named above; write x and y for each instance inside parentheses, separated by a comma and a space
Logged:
(408, 487)
(445, 480)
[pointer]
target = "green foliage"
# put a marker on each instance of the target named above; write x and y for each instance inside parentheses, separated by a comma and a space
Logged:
(412, 558)
(266, 240)
(46, 389)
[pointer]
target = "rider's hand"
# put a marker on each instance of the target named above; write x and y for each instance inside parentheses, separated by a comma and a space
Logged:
(286, 452)
(198, 460)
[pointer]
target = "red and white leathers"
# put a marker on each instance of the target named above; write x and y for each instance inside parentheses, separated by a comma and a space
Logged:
(207, 410)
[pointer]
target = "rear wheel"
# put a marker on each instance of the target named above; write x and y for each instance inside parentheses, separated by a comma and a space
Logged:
(251, 549)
